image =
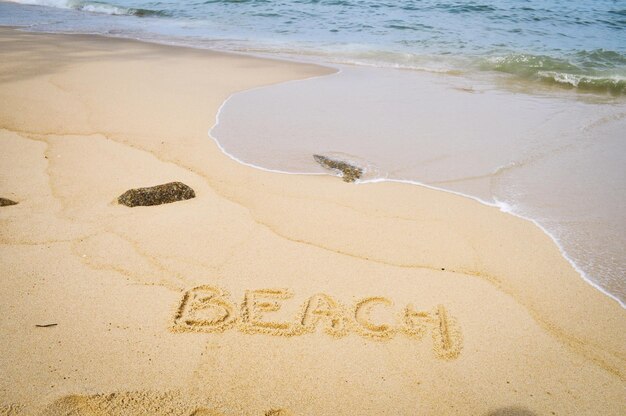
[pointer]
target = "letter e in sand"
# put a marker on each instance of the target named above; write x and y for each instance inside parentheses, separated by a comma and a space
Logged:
(257, 302)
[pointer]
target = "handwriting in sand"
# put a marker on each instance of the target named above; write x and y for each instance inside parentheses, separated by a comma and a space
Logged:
(210, 309)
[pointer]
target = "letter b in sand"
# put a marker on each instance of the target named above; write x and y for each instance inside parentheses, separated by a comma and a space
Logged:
(205, 309)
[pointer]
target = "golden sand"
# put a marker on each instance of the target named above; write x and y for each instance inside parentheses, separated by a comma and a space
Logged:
(397, 299)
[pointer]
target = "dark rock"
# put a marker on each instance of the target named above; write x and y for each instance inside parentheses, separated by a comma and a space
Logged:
(156, 195)
(349, 173)
(6, 202)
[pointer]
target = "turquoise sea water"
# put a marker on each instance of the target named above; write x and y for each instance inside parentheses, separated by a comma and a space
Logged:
(575, 44)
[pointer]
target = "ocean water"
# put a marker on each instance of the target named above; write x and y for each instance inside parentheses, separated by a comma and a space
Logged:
(520, 104)
(572, 43)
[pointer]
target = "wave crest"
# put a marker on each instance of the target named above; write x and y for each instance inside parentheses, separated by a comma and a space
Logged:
(93, 7)
(598, 70)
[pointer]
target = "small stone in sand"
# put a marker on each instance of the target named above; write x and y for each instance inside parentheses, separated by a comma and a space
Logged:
(349, 172)
(156, 195)
(6, 202)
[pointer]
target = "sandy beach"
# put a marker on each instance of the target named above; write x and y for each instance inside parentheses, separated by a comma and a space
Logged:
(266, 294)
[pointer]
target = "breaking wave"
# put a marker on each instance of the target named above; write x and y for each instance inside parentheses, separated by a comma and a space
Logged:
(599, 70)
(94, 7)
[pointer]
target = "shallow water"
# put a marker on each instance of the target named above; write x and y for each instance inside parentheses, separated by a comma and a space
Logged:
(550, 158)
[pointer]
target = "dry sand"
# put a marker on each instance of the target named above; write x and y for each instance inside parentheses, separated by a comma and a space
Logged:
(267, 294)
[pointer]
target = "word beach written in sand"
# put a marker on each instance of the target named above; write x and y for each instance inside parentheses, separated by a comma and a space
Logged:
(210, 309)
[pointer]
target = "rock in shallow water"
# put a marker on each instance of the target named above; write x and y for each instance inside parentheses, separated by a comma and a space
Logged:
(349, 173)
(6, 202)
(156, 195)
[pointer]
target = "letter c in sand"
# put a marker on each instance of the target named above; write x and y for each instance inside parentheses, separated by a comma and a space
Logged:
(365, 327)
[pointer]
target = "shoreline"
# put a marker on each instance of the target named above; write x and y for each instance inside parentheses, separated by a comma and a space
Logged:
(502, 206)
(508, 80)
(86, 123)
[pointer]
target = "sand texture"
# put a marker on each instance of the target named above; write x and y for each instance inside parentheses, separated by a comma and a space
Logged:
(266, 294)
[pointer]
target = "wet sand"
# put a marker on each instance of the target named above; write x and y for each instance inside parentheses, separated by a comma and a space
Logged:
(551, 155)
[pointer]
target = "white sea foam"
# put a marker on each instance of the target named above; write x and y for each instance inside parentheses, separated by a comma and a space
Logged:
(92, 7)
(62, 4)
(575, 80)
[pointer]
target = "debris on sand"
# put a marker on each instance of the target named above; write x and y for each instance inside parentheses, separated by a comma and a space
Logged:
(349, 173)
(6, 202)
(156, 195)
